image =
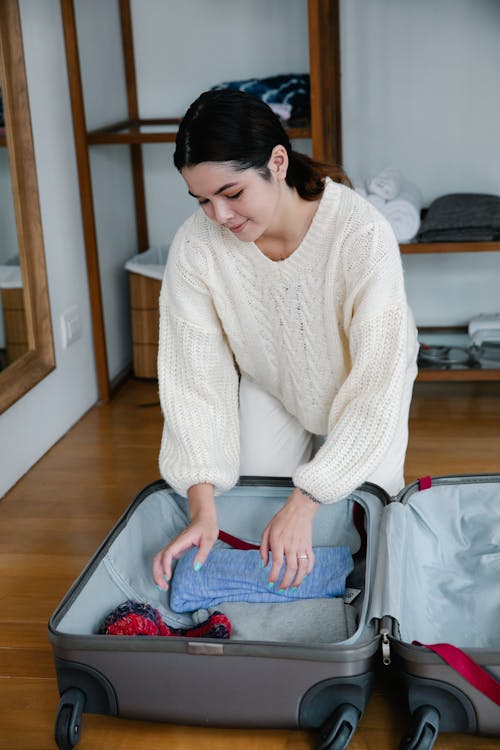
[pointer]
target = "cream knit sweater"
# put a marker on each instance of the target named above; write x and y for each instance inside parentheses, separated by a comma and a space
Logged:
(324, 331)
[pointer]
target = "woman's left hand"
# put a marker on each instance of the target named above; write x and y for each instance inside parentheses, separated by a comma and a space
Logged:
(288, 536)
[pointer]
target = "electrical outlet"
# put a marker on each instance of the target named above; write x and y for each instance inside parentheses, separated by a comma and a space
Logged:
(71, 326)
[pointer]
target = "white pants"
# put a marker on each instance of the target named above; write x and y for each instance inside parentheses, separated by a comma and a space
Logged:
(273, 443)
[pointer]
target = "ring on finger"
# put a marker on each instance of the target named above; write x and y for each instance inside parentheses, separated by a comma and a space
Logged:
(302, 557)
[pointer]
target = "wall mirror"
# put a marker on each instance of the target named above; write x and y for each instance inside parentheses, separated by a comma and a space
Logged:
(26, 344)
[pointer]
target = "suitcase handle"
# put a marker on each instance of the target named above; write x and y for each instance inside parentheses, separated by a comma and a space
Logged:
(467, 668)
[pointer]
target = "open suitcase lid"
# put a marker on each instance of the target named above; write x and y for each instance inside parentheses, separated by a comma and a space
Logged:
(437, 563)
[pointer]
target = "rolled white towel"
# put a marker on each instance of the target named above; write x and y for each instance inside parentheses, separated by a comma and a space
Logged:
(360, 188)
(387, 184)
(403, 213)
(377, 201)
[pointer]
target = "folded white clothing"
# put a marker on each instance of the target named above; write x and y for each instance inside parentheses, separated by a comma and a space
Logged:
(403, 213)
(283, 110)
(387, 184)
(376, 201)
(360, 188)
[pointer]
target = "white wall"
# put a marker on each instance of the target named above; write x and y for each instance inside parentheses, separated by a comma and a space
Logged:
(33, 424)
(103, 80)
(175, 59)
(184, 48)
(419, 90)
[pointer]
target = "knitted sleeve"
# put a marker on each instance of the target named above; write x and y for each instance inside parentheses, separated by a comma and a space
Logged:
(198, 382)
(365, 412)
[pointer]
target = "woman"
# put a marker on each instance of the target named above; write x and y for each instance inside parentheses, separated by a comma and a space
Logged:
(283, 316)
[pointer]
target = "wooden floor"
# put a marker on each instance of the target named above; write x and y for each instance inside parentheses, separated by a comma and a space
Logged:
(56, 516)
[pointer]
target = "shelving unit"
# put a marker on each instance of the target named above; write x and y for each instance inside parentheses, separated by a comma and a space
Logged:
(418, 248)
(156, 131)
(451, 336)
(324, 130)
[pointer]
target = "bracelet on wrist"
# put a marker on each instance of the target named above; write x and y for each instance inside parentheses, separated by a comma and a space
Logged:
(308, 494)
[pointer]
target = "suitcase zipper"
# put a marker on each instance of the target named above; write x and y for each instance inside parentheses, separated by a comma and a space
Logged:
(386, 647)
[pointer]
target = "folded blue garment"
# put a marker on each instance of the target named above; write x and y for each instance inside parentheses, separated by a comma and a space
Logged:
(231, 575)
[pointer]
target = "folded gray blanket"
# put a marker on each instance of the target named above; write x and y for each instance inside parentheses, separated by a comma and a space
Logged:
(462, 217)
(306, 621)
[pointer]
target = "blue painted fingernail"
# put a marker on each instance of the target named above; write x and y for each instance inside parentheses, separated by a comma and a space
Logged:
(270, 585)
(281, 591)
(197, 567)
(262, 564)
(159, 588)
(294, 588)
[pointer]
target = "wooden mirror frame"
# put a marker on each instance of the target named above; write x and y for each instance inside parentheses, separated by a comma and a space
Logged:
(35, 364)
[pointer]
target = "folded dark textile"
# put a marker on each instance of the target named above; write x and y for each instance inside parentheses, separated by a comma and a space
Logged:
(292, 89)
(462, 217)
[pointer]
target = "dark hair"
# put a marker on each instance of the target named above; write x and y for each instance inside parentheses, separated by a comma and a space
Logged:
(227, 125)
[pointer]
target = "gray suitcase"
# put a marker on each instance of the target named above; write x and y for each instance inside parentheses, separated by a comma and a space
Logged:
(408, 576)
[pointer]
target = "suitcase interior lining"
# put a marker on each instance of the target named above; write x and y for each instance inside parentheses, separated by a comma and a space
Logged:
(123, 569)
(444, 557)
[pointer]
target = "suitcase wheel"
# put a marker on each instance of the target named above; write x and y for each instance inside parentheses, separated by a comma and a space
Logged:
(68, 725)
(423, 731)
(336, 732)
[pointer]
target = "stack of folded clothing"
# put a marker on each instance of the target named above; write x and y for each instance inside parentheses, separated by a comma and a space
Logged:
(397, 199)
(286, 94)
(462, 217)
(233, 583)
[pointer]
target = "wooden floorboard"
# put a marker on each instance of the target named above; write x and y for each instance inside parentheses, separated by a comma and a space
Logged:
(54, 519)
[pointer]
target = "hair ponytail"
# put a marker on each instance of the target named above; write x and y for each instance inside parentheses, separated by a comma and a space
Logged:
(227, 125)
(307, 176)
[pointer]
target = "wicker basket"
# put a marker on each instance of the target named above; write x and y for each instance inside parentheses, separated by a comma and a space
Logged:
(144, 294)
(146, 273)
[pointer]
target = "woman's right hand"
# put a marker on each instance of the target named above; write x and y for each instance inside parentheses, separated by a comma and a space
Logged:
(202, 532)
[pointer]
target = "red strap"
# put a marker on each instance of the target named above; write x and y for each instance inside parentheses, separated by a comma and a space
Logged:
(468, 668)
(425, 483)
(235, 542)
(358, 519)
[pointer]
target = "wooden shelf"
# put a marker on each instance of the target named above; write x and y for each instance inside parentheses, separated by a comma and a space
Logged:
(440, 374)
(417, 248)
(324, 130)
(159, 130)
(433, 376)
(451, 336)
